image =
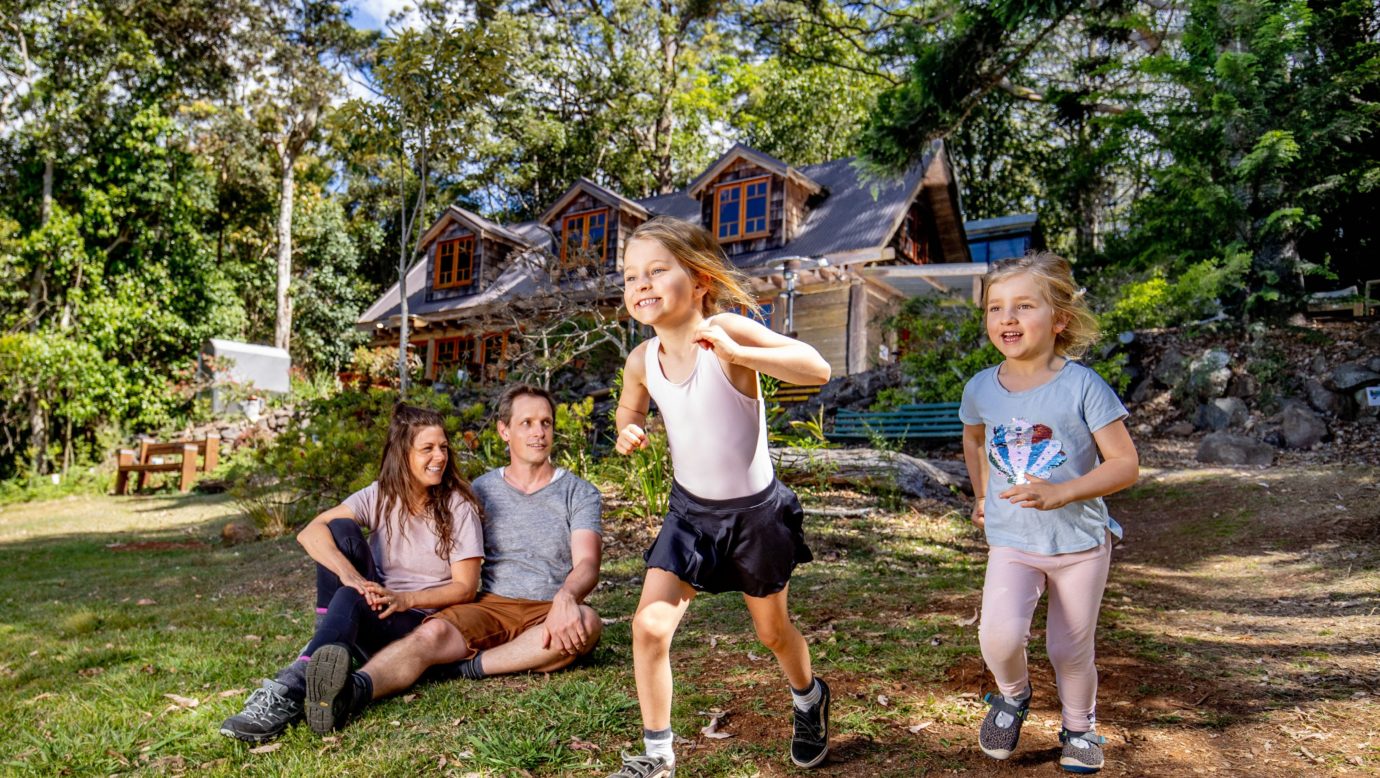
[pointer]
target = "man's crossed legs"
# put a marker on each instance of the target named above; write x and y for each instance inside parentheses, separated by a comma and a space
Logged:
(511, 634)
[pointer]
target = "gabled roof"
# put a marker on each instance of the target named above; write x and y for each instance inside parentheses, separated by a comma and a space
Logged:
(1000, 225)
(599, 193)
(478, 224)
(739, 151)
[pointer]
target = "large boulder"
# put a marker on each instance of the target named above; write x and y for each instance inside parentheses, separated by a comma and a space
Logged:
(1222, 413)
(1300, 427)
(1325, 400)
(858, 391)
(1224, 448)
(1351, 376)
(1169, 370)
(1209, 374)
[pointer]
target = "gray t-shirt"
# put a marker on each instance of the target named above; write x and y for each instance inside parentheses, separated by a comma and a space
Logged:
(1046, 432)
(527, 536)
(405, 548)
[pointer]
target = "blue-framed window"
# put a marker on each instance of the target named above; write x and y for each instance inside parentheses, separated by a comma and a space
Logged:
(742, 209)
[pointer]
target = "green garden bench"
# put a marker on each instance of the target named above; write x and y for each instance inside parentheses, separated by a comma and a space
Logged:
(934, 421)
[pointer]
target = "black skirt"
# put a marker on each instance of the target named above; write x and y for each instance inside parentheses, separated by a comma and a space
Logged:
(747, 544)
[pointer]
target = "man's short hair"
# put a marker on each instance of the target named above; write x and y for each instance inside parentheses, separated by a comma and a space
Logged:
(510, 395)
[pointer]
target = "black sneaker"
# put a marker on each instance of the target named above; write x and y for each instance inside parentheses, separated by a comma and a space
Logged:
(329, 692)
(1082, 751)
(810, 743)
(644, 766)
(1001, 729)
(266, 714)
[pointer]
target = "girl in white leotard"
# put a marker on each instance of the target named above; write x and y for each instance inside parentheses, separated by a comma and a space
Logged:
(732, 526)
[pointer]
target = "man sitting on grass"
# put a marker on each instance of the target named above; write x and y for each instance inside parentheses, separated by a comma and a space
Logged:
(542, 538)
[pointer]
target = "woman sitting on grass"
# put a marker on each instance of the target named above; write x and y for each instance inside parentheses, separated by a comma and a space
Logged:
(423, 553)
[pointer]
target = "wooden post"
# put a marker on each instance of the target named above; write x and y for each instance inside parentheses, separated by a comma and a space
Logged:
(188, 467)
(212, 453)
(125, 459)
(143, 459)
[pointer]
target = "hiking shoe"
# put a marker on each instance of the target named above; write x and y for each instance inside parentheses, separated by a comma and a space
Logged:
(1002, 726)
(1082, 751)
(266, 714)
(810, 741)
(644, 766)
(329, 692)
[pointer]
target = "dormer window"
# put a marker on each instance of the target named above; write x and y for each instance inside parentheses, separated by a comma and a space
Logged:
(741, 208)
(584, 238)
(454, 263)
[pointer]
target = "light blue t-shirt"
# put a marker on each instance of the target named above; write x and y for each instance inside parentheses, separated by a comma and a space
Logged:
(1046, 432)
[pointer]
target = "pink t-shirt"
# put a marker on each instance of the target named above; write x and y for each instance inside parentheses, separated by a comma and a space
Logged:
(405, 550)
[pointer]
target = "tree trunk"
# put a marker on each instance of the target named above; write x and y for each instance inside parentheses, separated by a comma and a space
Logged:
(939, 480)
(38, 421)
(665, 120)
(282, 328)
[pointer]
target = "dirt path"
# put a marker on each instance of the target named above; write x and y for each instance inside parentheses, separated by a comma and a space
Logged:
(1240, 636)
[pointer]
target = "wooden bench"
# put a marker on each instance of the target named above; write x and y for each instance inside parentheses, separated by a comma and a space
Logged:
(791, 394)
(152, 457)
(936, 421)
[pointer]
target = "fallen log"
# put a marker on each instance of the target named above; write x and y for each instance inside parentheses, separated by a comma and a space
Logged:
(873, 469)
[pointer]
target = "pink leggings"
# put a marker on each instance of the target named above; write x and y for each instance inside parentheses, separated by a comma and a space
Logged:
(1015, 581)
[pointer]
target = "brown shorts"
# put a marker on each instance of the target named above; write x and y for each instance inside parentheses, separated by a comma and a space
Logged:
(492, 620)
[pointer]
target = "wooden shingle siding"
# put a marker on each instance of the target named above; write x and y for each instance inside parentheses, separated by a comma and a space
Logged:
(738, 171)
(821, 319)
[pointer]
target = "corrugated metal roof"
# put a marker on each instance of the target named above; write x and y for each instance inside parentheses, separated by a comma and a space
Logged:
(1016, 222)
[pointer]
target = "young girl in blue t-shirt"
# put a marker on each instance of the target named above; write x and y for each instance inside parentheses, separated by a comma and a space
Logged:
(1044, 440)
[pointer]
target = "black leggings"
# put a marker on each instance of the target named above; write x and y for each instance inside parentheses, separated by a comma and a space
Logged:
(348, 618)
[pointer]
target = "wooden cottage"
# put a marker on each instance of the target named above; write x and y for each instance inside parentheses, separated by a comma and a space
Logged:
(822, 242)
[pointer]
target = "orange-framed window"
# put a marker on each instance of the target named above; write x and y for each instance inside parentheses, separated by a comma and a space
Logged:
(742, 208)
(584, 236)
(454, 263)
(455, 352)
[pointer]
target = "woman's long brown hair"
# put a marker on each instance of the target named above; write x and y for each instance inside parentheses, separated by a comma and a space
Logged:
(395, 477)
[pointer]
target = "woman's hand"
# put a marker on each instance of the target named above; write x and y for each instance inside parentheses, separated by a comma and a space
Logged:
(630, 439)
(357, 582)
(1038, 494)
(386, 601)
(979, 516)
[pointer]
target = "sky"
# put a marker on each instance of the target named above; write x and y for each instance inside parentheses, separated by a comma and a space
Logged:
(372, 14)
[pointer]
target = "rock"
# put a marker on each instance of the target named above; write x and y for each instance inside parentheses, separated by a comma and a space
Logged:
(1181, 429)
(1351, 376)
(1324, 400)
(1374, 364)
(1227, 449)
(1319, 365)
(1169, 371)
(238, 531)
(1209, 374)
(1144, 430)
(860, 390)
(1222, 413)
(1300, 427)
(1243, 385)
(1143, 391)
(938, 479)
(1371, 338)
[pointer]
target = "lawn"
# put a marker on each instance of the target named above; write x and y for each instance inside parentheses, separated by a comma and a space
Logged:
(1238, 635)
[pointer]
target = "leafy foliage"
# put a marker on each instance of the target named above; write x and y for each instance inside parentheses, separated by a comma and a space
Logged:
(945, 345)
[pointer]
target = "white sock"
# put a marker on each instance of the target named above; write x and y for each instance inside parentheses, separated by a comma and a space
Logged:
(1005, 719)
(659, 743)
(804, 700)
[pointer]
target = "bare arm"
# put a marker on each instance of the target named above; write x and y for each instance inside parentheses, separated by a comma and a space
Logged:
(320, 546)
(563, 625)
(464, 584)
(1119, 469)
(743, 342)
(633, 402)
(974, 443)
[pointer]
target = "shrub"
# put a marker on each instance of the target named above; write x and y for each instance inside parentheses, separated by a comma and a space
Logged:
(945, 345)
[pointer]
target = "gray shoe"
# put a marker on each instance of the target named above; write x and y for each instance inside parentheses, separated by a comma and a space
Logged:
(329, 692)
(1082, 751)
(1001, 729)
(644, 766)
(267, 713)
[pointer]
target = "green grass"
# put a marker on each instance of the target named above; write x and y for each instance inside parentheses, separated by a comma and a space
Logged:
(112, 604)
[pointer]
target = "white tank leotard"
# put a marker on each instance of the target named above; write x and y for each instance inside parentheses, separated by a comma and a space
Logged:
(718, 437)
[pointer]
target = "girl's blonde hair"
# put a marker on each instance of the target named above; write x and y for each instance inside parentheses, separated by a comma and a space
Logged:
(1055, 276)
(696, 250)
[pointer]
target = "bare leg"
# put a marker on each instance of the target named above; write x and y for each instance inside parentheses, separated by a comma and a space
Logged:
(664, 600)
(525, 652)
(402, 662)
(775, 630)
